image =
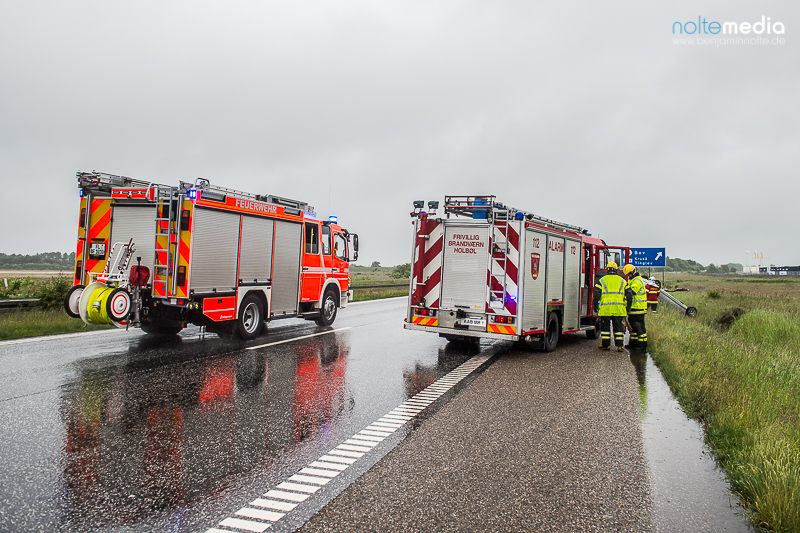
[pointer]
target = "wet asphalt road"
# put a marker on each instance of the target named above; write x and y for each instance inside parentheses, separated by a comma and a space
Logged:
(117, 431)
(538, 442)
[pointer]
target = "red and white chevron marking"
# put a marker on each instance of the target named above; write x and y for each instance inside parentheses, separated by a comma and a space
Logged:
(427, 269)
(505, 232)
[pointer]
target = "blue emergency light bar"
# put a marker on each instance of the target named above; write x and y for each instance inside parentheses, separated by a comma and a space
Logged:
(333, 219)
(192, 194)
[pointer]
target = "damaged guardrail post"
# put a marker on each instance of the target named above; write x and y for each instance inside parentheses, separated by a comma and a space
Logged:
(665, 298)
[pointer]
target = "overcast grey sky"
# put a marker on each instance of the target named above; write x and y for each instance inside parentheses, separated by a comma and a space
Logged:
(586, 112)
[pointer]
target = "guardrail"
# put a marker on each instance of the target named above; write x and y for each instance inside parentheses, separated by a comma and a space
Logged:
(17, 304)
(667, 299)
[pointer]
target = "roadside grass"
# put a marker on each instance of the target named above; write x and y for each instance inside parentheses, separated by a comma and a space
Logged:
(36, 322)
(736, 368)
(360, 295)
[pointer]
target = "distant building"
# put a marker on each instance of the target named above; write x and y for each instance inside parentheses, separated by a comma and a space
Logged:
(780, 271)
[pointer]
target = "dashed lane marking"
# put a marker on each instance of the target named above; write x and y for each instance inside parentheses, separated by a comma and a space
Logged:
(278, 502)
(296, 338)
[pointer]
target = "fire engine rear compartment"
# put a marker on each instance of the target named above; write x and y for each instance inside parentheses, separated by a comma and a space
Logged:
(514, 276)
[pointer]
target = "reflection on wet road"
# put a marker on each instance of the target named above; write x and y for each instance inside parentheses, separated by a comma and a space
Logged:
(121, 430)
(690, 493)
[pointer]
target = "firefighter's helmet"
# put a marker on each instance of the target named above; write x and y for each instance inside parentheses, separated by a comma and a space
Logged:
(611, 266)
(627, 269)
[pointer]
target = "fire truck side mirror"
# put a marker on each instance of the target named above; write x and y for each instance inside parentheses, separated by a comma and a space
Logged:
(355, 247)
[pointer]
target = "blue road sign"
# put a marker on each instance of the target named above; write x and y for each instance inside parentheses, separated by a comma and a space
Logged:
(649, 257)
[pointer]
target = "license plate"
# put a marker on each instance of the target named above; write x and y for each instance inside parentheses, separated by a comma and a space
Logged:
(473, 322)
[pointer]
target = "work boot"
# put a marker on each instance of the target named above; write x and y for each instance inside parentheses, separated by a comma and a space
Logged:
(619, 348)
(604, 347)
(641, 346)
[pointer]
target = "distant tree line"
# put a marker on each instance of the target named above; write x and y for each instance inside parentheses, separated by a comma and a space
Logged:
(676, 264)
(45, 261)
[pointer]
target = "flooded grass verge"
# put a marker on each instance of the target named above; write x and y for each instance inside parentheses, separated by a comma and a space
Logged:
(736, 369)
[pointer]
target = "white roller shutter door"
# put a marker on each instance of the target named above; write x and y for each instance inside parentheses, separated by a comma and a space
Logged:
(215, 247)
(137, 223)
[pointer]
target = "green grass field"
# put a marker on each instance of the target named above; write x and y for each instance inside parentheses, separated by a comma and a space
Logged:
(19, 324)
(736, 368)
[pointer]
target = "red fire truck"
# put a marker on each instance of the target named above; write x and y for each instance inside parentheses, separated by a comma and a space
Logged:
(487, 270)
(159, 257)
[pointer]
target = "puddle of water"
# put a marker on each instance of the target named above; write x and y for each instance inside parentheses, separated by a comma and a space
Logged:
(690, 492)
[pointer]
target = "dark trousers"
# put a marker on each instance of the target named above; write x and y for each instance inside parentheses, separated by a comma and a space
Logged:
(653, 307)
(605, 330)
(638, 331)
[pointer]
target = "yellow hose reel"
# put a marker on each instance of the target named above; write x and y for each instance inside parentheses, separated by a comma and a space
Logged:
(101, 304)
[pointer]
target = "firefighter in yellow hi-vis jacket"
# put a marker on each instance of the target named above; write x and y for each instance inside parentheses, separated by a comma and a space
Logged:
(637, 308)
(610, 293)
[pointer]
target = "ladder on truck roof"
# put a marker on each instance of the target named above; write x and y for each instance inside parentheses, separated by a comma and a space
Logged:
(215, 192)
(104, 181)
(488, 208)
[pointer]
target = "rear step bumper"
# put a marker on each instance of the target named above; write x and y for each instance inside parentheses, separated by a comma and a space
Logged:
(463, 332)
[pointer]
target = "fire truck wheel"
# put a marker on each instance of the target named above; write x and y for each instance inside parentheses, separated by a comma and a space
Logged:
(72, 300)
(552, 333)
(251, 318)
(118, 304)
(594, 332)
(329, 308)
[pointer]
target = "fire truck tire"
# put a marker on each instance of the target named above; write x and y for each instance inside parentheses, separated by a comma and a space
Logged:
(251, 318)
(328, 309)
(72, 300)
(150, 329)
(594, 332)
(552, 333)
(118, 305)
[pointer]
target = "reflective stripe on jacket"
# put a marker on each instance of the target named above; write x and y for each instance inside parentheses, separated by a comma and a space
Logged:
(612, 296)
(639, 303)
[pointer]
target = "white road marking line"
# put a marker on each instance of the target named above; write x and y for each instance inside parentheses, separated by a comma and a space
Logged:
(361, 443)
(326, 473)
(421, 404)
(297, 338)
(388, 431)
(297, 487)
(399, 418)
(248, 525)
(57, 337)
(273, 504)
(351, 448)
(356, 455)
(309, 479)
(405, 412)
(387, 423)
(348, 460)
(291, 496)
(383, 434)
(367, 436)
(272, 516)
